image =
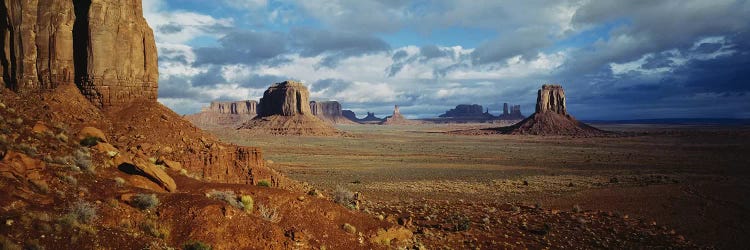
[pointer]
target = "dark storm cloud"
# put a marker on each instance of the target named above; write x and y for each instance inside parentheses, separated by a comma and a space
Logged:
(208, 78)
(659, 61)
(244, 47)
(172, 55)
(333, 85)
(263, 81)
(525, 42)
(179, 87)
(336, 45)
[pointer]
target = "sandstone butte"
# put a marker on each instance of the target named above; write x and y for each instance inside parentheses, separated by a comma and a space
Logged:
(88, 69)
(330, 111)
(285, 110)
(551, 117)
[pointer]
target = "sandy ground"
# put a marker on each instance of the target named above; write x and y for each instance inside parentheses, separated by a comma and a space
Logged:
(692, 179)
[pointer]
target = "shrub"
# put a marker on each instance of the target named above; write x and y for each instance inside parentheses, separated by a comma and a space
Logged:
(264, 183)
(247, 203)
(154, 229)
(119, 181)
(90, 141)
(459, 223)
(82, 158)
(83, 212)
(6, 243)
(62, 137)
(268, 213)
(344, 197)
(70, 180)
(196, 245)
(145, 201)
(28, 149)
(227, 196)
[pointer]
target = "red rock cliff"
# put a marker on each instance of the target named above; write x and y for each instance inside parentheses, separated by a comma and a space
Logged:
(104, 46)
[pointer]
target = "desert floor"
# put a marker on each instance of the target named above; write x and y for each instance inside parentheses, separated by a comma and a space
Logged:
(691, 180)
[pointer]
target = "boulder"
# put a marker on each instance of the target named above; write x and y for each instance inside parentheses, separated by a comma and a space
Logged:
(139, 166)
(91, 132)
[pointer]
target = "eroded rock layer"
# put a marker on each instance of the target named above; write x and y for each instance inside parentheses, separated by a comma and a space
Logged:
(397, 119)
(104, 46)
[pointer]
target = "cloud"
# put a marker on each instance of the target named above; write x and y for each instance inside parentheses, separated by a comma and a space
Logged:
(243, 46)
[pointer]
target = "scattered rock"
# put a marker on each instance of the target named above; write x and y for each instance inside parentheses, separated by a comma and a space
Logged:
(91, 132)
(349, 228)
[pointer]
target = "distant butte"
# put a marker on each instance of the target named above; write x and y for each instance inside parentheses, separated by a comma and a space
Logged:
(285, 110)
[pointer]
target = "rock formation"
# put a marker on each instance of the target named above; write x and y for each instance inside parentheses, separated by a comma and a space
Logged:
(105, 47)
(285, 110)
(94, 63)
(513, 114)
(397, 119)
(224, 114)
(464, 110)
(329, 111)
(551, 117)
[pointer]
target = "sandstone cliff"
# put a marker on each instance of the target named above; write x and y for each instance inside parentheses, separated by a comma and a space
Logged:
(104, 46)
(465, 110)
(224, 114)
(285, 110)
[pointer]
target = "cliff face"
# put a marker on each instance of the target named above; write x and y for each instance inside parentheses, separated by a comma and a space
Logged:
(104, 46)
(287, 98)
(37, 42)
(551, 98)
(235, 108)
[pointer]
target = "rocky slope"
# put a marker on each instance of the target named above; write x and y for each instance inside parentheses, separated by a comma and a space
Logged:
(90, 160)
(285, 110)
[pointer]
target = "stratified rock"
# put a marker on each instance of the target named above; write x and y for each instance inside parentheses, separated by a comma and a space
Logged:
(285, 110)
(287, 98)
(329, 111)
(551, 117)
(104, 46)
(397, 119)
(37, 41)
(224, 114)
(551, 98)
(121, 60)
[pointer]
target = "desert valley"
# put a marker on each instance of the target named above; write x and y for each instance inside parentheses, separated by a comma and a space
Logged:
(90, 158)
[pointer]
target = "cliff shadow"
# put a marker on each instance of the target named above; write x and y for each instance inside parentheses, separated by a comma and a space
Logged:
(6, 59)
(81, 40)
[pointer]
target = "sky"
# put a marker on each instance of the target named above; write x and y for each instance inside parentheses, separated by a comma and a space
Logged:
(636, 59)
